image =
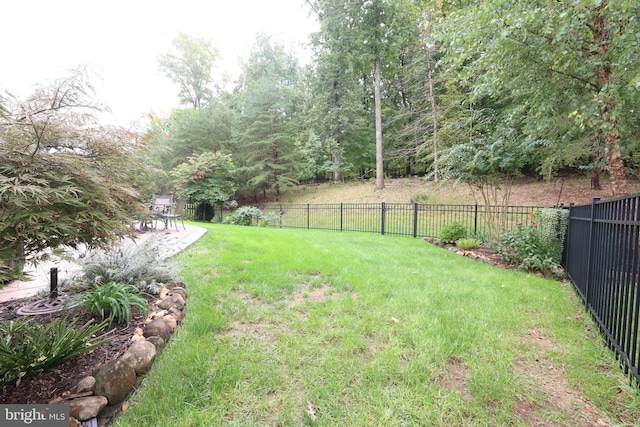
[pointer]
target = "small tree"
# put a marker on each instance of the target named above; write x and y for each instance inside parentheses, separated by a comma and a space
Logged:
(65, 180)
(489, 167)
(205, 179)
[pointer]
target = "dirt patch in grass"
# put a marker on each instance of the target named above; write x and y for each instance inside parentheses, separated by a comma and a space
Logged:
(455, 378)
(557, 395)
(312, 295)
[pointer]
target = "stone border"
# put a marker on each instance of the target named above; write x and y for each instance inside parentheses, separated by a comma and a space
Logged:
(101, 396)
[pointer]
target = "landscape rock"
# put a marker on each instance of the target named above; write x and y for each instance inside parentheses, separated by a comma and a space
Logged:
(158, 342)
(178, 314)
(140, 356)
(177, 285)
(114, 380)
(178, 291)
(85, 384)
(171, 322)
(175, 301)
(157, 327)
(85, 408)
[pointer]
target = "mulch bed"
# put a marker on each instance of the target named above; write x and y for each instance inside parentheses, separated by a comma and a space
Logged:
(44, 387)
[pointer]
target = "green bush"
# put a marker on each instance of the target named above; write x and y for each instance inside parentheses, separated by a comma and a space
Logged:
(133, 263)
(468, 244)
(244, 216)
(113, 301)
(525, 247)
(552, 225)
(452, 232)
(27, 347)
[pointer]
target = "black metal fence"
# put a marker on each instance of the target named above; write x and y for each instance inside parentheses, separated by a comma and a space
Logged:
(402, 219)
(602, 260)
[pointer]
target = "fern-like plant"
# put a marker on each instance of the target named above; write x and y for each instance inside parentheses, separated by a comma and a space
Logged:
(27, 347)
(113, 301)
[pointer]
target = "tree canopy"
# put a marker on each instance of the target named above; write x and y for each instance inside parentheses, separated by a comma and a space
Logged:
(65, 180)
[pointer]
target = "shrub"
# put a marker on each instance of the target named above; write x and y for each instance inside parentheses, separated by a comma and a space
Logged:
(552, 226)
(244, 216)
(468, 244)
(452, 232)
(270, 219)
(133, 263)
(113, 301)
(524, 246)
(27, 347)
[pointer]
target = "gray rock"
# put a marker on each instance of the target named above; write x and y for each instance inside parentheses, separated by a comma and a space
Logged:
(158, 342)
(141, 356)
(85, 408)
(114, 380)
(174, 301)
(85, 384)
(157, 327)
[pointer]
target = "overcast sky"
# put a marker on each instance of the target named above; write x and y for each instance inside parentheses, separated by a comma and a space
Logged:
(122, 40)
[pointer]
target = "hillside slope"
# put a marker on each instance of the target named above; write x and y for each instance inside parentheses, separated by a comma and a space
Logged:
(526, 192)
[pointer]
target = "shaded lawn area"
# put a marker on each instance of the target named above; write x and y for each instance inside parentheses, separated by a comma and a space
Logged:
(297, 327)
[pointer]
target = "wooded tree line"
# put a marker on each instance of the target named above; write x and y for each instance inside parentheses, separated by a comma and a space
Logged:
(470, 90)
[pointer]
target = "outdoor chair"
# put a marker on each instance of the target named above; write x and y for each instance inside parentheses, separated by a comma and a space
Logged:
(163, 210)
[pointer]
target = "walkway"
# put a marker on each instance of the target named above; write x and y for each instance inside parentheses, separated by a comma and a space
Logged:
(168, 243)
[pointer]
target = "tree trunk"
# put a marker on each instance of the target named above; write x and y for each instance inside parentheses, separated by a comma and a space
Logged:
(378, 107)
(337, 176)
(609, 125)
(434, 114)
(595, 179)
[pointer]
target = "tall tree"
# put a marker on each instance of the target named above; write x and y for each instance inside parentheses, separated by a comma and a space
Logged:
(190, 66)
(265, 139)
(566, 62)
(368, 36)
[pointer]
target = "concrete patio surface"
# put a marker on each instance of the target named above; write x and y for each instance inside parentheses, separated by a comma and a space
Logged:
(168, 242)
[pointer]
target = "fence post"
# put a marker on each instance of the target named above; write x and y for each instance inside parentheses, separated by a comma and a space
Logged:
(341, 217)
(594, 201)
(475, 220)
(308, 216)
(415, 220)
(280, 213)
(383, 216)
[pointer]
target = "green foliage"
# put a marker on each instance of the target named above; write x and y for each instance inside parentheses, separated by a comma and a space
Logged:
(467, 244)
(132, 263)
(190, 66)
(113, 301)
(205, 179)
(526, 248)
(452, 232)
(64, 180)
(27, 347)
(244, 216)
(552, 226)
(270, 219)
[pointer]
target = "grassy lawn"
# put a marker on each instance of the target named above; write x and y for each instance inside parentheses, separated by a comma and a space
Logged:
(296, 327)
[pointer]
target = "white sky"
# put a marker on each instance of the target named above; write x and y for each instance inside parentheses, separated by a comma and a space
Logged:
(122, 40)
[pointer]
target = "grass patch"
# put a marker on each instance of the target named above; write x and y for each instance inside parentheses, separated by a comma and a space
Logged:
(297, 327)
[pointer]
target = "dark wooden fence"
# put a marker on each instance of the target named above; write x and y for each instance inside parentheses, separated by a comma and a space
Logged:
(602, 260)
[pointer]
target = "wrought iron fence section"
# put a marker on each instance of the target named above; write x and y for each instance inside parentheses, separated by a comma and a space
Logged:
(401, 219)
(603, 263)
